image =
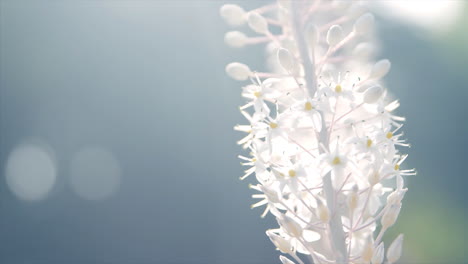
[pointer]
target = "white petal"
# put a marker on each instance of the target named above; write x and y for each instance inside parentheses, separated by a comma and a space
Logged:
(310, 236)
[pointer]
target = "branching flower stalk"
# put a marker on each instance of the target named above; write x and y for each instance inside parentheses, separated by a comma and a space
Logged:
(322, 135)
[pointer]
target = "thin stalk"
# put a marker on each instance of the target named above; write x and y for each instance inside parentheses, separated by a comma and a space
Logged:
(337, 235)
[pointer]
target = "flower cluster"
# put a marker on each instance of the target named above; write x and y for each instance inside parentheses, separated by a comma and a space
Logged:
(322, 134)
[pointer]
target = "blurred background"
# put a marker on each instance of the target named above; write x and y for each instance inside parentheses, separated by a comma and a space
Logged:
(116, 139)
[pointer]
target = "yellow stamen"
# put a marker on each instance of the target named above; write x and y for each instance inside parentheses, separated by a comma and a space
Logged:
(336, 161)
(308, 106)
(338, 88)
(369, 143)
(273, 125)
(258, 94)
(292, 173)
(389, 135)
(254, 160)
(397, 167)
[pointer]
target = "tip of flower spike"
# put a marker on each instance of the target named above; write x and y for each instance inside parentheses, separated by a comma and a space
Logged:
(364, 23)
(380, 69)
(257, 23)
(235, 39)
(234, 15)
(334, 35)
(238, 71)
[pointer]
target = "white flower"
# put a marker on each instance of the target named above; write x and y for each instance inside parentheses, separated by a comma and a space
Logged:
(322, 134)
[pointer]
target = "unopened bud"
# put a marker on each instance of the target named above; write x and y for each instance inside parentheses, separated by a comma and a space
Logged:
(238, 71)
(285, 59)
(380, 69)
(390, 216)
(364, 50)
(234, 15)
(284, 3)
(334, 35)
(364, 23)
(257, 23)
(235, 39)
(373, 94)
(323, 213)
(368, 251)
(280, 242)
(290, 226)
(356, 10)
(394, 251)
(374, 178)
(396, 197)
(353, 198)
(378, 256)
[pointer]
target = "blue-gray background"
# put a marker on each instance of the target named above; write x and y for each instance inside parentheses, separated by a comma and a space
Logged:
(145, 80)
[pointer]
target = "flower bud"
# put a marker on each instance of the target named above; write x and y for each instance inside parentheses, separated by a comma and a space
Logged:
(378, 256)
(323, 212)
(353, 198)
(373, 94)
(356, 10)
(235, 39)
(390, 216)
(380, 69)
(374, 178)
(364, 23)
(394, 251)
(238, 71)
(285, 3)
(257, 23)
(368, 250)
(334, 35)
(285, 260)
(290, 226)
(234, 15)
(280, 242)
(364, 50)
(396, 197)
(285, 59)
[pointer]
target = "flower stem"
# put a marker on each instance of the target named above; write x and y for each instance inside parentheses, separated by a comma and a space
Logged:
(337, 236)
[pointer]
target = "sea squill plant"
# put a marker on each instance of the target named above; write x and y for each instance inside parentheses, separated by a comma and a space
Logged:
(322, 134)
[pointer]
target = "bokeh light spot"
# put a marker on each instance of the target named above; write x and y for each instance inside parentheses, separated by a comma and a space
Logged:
(31, 171)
